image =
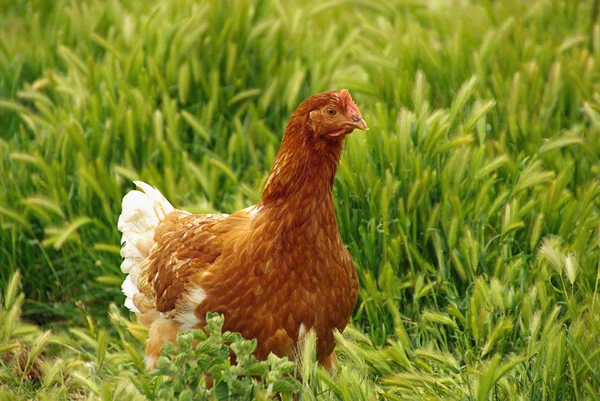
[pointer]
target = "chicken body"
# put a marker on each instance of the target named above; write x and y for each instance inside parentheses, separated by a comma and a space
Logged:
(274, 270)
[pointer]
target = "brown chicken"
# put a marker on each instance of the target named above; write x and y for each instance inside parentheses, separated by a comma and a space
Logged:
(274, 270)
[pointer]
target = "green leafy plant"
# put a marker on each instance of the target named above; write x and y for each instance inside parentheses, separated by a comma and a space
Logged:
(199, 356)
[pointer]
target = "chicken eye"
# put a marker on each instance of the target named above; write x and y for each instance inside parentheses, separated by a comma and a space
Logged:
(331, 111)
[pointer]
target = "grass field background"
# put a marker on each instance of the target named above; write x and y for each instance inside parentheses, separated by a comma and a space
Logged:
(470, 208)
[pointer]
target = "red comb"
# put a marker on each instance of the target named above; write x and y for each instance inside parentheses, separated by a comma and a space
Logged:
(347, 99)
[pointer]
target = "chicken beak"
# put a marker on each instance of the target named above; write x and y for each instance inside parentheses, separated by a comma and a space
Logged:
(362, 125)
(358, 123)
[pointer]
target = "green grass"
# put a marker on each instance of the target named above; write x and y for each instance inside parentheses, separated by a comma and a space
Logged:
(471, 207)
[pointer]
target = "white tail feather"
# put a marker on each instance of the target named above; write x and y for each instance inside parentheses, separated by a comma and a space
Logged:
(142, 212)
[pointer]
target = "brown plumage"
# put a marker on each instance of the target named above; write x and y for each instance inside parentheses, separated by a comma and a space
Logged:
(275, 270)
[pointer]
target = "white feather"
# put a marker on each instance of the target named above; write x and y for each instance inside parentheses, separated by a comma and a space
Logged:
(141, 214)
(130, 251)
(252, 210)
(129, 289)
(187, 316)
(128, 263)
